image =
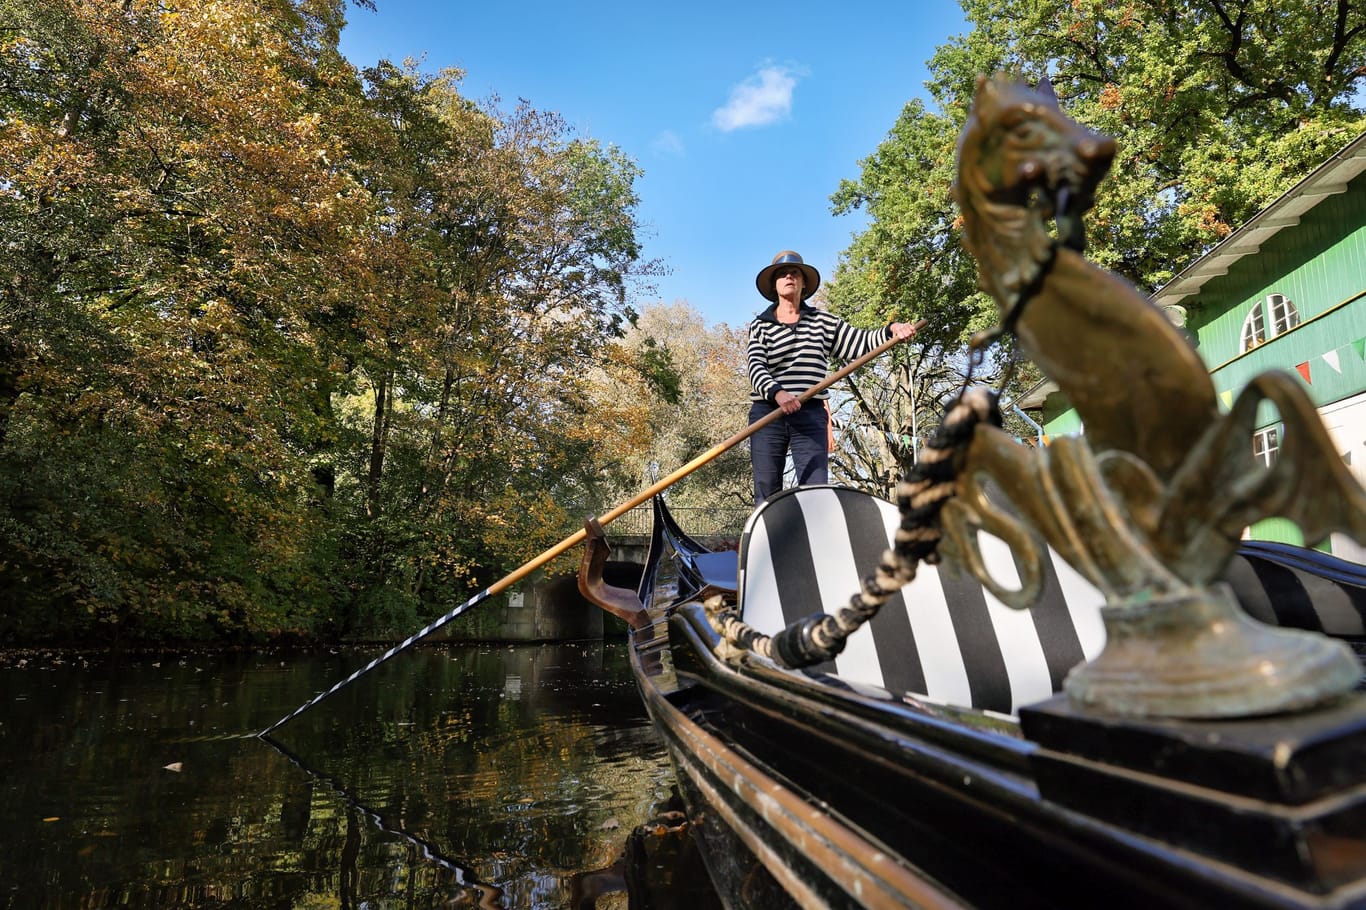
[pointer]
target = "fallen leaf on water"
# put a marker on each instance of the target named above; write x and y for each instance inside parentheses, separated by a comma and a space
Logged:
(173, 766)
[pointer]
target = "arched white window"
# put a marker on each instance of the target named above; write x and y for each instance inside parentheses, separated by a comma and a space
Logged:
(1267, 319)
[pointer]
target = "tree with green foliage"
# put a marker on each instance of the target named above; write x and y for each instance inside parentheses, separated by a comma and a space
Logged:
(1217, 106)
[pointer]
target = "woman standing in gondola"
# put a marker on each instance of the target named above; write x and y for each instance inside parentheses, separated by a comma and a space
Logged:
(790, 347)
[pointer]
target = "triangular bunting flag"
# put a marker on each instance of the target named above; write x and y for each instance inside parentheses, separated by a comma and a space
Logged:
(1304, 371)
(1331, 358)
(1226, 398)
(1360, 346)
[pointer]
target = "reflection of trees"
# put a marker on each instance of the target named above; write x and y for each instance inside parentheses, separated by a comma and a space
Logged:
(539, 753)
(437, 743)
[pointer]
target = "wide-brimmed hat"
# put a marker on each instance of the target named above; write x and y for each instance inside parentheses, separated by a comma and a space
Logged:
(811, 279)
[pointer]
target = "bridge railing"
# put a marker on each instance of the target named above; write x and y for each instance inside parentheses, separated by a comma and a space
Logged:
(696, 522)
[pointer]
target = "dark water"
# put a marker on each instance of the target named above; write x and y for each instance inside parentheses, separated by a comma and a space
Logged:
(458, 776)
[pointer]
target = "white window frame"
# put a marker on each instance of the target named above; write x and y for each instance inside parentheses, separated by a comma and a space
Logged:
(1258, 329)
(1266, 443)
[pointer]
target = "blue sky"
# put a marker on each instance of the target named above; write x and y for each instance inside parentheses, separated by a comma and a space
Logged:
(743, 116)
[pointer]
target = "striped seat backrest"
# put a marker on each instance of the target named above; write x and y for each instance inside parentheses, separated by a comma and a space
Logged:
(1285, 585)
(943, 636)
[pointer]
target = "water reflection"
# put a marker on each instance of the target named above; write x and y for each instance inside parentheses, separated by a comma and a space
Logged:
(460, 776)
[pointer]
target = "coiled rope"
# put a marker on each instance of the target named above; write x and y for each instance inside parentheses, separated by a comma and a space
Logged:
(928, 485)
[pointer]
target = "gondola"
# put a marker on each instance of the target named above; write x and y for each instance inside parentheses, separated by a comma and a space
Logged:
(812, 788)
(1088, 692)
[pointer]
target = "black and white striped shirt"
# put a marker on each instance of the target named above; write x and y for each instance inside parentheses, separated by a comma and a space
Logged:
(795, 357)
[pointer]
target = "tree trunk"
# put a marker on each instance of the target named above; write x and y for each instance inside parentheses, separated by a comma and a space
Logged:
(324, 470)
(10, 385)
(378, 440)
(434, 456)
(435, 473)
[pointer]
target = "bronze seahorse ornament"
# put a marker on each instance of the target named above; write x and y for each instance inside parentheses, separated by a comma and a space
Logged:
(1150, 503)
(1136, 383)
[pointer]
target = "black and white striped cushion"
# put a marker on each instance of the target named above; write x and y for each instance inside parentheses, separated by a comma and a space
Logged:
(943, 636)
(1285, 585)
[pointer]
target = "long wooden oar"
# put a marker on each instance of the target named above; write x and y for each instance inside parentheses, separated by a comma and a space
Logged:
(578, 536)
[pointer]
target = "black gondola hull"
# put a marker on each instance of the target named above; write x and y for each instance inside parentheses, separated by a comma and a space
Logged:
(928, 815)
(803, 790)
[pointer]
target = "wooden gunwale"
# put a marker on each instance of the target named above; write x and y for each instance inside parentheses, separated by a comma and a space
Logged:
(867, 872)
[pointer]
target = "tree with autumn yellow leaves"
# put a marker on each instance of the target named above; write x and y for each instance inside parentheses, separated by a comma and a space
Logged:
(174, 217)
(675, 387)
(477, 416)
(284, 347)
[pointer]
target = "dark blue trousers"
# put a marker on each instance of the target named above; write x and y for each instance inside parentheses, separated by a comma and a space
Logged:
(804, 434)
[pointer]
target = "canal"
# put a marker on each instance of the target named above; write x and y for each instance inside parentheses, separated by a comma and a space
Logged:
(450, 776)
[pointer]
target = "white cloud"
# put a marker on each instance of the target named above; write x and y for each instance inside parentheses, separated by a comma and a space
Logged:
(668, 143)
(761, 99)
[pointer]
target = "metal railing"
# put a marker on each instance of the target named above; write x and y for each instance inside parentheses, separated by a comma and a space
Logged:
(722, 522)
